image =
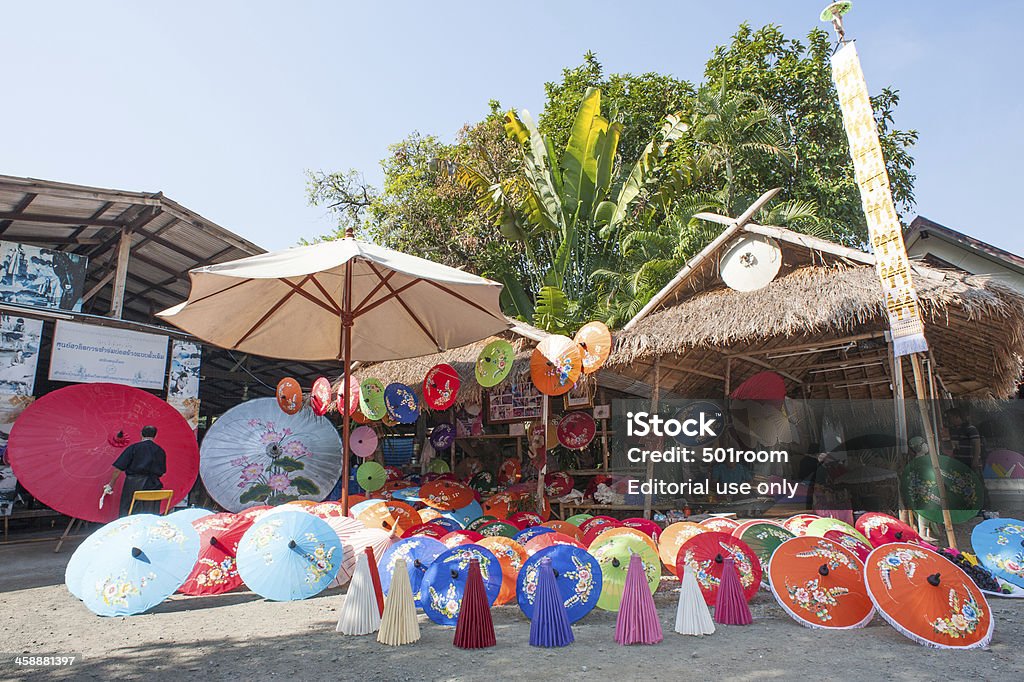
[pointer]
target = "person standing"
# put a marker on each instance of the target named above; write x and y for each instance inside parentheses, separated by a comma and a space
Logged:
(142, 464)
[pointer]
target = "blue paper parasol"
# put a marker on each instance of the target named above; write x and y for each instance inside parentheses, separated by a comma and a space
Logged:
(86, 553)
(999, 545)
(527, 534)
(401, 403)
(410, 495)
(289, 555)
(578, 575)
(466, 514)
(359, 507)
(137, 565)
(445, 582)
(189, 514)
(418, 552)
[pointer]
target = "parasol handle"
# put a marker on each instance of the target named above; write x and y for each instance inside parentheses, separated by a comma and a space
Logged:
(387, 526)
(555, 572)
(455, 574)
(291, 544)
(933, 579)
(898, 535)
(615, 562)
(718, 559)
(417, 564)
(136, 552)
(823, 570)
(213, 541)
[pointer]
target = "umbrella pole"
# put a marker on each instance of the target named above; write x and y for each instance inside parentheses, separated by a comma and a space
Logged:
(542, 469)
(346, 342)
(933, 447)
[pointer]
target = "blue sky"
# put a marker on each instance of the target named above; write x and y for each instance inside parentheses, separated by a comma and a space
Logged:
(223, 105)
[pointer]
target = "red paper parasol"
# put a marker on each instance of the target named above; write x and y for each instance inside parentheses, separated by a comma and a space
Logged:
(707, 552)
(595, 342)
(557, 484)
(849, 542)
(215, 571)
(576, 430)
(289, 395)
(430, 530)
(441, 386)
(555, 365)
(882, 529)
(63, 446)
(510, 471)
(320, 396)
(461, 537)
(353, 403)
(761, 386)
(525, 519)
(645, 526)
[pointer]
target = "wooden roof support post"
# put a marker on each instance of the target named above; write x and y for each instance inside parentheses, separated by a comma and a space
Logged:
(921, 392)
(655, 395)
(900, 417)
(121, 273)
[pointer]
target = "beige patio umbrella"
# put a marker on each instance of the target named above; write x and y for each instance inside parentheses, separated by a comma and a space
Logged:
(343, 300)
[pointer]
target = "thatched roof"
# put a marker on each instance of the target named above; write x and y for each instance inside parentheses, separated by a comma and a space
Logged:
(974, 325)
(522, 336)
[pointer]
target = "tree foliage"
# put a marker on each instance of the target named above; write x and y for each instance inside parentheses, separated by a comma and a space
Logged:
(589, 212)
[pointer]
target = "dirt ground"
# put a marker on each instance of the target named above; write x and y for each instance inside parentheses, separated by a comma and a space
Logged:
(240, 636)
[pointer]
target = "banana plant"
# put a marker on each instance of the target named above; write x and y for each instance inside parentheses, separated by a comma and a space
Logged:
(566, 209)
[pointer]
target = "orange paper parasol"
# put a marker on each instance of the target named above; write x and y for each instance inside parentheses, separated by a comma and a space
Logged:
(289, 395)
(820, 584)
(555, 365)
(927, 598)
(446, 495)
(595, 343)
(511, 556)
(540, 542)
(393, 516)
(674, 537)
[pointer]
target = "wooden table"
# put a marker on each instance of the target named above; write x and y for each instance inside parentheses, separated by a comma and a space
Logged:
(28, 514)
(567, 509)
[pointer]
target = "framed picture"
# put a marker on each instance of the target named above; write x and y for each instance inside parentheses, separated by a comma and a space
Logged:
(580, 396)
(515, 400)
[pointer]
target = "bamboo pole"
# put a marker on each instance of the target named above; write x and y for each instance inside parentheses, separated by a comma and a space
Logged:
(655, 391)
(933, 447)
(604, 433)
(543, 469)
(900, 417)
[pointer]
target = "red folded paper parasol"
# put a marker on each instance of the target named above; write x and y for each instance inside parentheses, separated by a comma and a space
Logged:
(474, 629)
(63, 446)
(707, 553)
(730, 604)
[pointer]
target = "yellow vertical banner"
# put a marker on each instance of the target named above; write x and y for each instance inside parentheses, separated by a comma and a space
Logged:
(884, 229)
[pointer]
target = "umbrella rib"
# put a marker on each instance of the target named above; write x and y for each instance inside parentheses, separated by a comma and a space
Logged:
(408, 310)
(217, 293)
(330, 299)
(463, 299)
(379, 301)
(270, 312)
(302, 292)
(377, 288)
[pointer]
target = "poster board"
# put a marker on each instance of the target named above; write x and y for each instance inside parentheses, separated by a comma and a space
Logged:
(43, 278)
(514, 400)
(84, 353)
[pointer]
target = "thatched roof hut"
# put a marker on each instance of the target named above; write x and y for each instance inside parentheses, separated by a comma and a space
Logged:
(411, 371)
(820, 323)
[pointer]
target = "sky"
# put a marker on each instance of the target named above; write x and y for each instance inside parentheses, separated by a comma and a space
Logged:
(223, 106)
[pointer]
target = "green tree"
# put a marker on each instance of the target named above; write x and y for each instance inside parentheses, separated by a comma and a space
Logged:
(796, 78)
(571, 209)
